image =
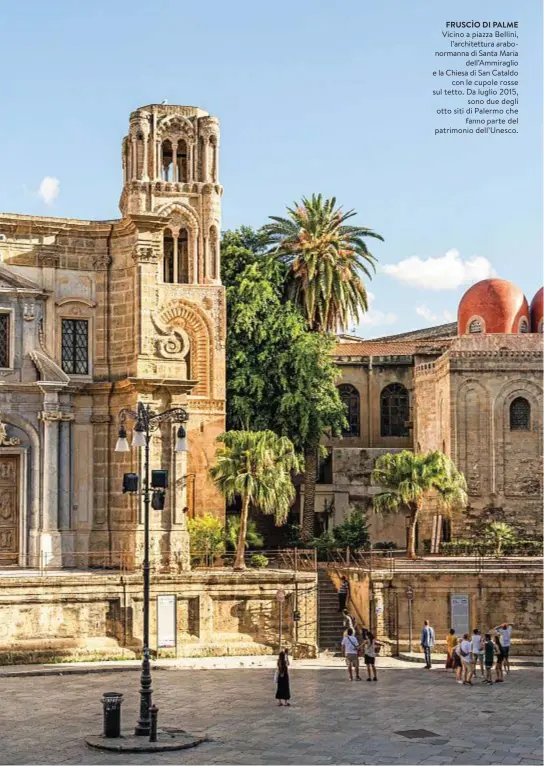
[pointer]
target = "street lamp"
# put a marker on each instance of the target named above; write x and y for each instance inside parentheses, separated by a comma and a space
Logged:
(146, 422)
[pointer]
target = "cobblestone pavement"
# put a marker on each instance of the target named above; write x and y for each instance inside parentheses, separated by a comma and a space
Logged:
(332, 721)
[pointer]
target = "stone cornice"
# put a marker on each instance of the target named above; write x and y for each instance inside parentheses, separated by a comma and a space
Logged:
(496, 354)
(12, 223)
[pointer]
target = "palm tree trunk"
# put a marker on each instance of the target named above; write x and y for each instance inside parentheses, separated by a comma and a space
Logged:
(239, 562)
(411, 552)
(310, 474)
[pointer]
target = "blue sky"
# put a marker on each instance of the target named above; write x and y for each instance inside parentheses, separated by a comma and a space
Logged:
(310, 99)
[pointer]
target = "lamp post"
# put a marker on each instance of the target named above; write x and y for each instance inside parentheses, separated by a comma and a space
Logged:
(146, 422)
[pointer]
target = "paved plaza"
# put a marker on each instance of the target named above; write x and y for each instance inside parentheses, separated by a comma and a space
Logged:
(44, 719)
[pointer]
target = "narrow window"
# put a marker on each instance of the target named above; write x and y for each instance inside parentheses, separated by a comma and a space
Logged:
(183, 257)
(520, 414)
(4, 340)
(167, 161)
(523, 325)
(75, 346)
(394, 410)
(475, 326)
(181, 161)
(168, 256)
(350, 399)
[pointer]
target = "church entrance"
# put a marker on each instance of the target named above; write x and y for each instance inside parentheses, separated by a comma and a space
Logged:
(9, 510)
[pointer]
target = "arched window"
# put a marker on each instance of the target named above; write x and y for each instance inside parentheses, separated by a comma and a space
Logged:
(523, 325)
(168, 256)
(167, 173)
(182, 165)
(183, 257)
(140, 156)
(394, 410)
(476, 325)
(350, 399)
(520, 414)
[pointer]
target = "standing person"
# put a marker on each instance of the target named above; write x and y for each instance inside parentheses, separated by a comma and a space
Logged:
(343, 593)
(489, 651)
(283, 691)
(466, 658)
(457, 662)
(477, 651)
(349, 622)
(370, 648)
(499, 651)
(350, 650)
(427, 642)
(505, 633)
(451, 643)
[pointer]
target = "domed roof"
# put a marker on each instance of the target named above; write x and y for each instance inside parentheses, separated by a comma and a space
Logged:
(537, 311)
(493, 306)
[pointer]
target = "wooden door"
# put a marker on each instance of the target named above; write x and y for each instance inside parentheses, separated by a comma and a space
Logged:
(9, 510)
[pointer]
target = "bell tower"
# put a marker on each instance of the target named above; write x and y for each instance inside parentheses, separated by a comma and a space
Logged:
(171, 168)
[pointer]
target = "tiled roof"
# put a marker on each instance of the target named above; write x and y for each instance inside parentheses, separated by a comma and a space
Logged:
(392, 348)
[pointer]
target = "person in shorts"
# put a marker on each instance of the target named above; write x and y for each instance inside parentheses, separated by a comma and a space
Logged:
(350, 650)
(499, 652)
(371, 647)
(457, 662)
(505, 633)
(466, 658)
(477, 651)
(489, 652)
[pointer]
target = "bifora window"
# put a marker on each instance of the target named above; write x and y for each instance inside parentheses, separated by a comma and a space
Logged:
(394, 410)
(520, 414)
(75, 346)
(350, 399)
(4, 340)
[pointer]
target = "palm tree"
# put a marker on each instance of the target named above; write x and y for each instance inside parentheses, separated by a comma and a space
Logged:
(254, 539)
(256, 467)
(326, 259)
(407, 479)
(499, 534)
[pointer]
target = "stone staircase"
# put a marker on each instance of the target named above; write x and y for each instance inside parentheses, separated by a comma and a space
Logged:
(330, 620)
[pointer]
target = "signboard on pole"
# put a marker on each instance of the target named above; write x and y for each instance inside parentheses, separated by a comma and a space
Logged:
(460, 613)
(280, 595)
(166, 621)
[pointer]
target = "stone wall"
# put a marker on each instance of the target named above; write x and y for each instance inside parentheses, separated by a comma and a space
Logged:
(494, 597)
(100, 615)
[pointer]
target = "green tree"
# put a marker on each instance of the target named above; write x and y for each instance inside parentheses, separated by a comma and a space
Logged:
(499, 534)
(280, 375)
(206, 535)
(232, 532)
(326, 258)
(407, 479)
(353, 531)
(256, 467)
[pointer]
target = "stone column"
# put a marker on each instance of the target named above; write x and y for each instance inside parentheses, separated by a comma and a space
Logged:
(50, 546)
(204, 160)
(64, 473)
(145, 175)
(379, 609)
(174, 161)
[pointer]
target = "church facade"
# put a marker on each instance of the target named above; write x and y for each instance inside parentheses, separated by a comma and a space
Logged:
(96, 316)
(472, 389)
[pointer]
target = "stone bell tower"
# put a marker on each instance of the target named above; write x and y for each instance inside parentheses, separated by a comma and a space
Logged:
(168, 320)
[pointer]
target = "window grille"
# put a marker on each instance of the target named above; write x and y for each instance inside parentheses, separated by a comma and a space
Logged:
(394, 410)
(75, 346)
(4, 340)
(520, 414)
(350, 399)
(475, 326)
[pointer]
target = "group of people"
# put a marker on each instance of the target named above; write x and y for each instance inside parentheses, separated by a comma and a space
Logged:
(468, 653)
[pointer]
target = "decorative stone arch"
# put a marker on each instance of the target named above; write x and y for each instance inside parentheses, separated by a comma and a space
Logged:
(184, 216)
(29, 508)
(471, 441)
(176, 124)
(507, 443)
(182, 315)
(186, 212)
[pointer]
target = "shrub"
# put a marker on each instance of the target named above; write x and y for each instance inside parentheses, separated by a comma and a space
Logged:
(353, 531)
(207, 534)
(388, 545)
(426, 546)
(258, 561)
(232, 531)
(473, 548)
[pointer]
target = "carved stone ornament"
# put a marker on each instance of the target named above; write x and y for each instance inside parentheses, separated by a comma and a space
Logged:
(51, 416)
(48, 260)
(48, 369)
(101, 262)
(145, 254)
(174, 344)
(99, 417)
(29, 312)
(5, 441)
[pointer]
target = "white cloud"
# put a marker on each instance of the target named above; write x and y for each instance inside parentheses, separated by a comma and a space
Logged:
(49, 189)
(374, 317)
(446, 272)
(448, 316)
(426, 313)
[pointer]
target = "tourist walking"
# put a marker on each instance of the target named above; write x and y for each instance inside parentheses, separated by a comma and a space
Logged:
(505, 633)
(477, 651)
(451, 643)
(427, 642)
(489, 652)
(499, 652)
(466, 658)
(350, 650)
(370, 648)
(343, 593)
(457, 662)
(349, 622)
(283, 691)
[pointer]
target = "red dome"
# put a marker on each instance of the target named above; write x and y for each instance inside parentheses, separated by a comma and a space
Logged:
(493, 306)
(536, 311)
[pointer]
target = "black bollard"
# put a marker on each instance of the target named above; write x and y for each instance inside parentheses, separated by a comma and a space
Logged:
(112, 714)
(153, 713)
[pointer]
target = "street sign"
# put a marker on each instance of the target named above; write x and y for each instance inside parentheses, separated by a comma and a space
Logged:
(280, 595)
(410, 593)
(379, 609)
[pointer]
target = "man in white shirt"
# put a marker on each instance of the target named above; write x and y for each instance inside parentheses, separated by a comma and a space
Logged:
(465, 650)
(477, 651)
(505, 633)
(350, 650)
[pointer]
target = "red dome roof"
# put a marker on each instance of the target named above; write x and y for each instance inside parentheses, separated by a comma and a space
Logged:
(537, 312)
(493, 306)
